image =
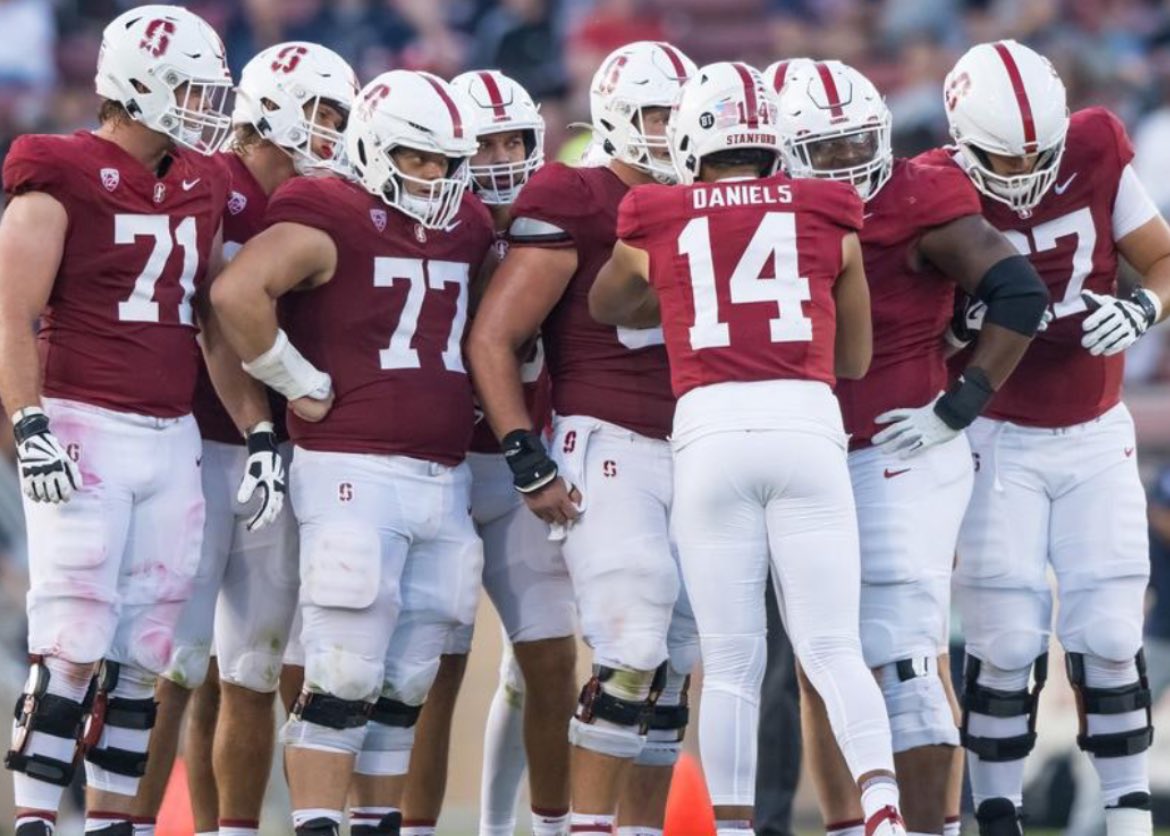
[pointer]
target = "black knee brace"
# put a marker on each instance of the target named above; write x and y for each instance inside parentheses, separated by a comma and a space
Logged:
(330, 711)
(995, 703)
(673, 718)
(1121, 700)
(120, 713)
(389, 825)
(596, 704)
(50, 714)
(390, 712)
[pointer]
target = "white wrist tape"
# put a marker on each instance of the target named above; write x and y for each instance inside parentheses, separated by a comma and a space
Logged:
(284, 369)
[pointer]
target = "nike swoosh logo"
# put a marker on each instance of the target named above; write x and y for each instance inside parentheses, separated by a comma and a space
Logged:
(867, 216)
(890, 474)
(188, 186)
(1061, 188)
(1128, 452)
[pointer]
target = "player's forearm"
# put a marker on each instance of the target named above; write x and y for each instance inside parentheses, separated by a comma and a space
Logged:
(495, 371)
(243, 397)
(998, 351)
(20, 372)
(246, 315)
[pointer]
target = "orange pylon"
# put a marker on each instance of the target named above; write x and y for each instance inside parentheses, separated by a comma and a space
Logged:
(175, 818)
(688, 807)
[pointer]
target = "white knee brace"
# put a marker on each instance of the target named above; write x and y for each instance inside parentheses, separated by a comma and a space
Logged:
(917, 705)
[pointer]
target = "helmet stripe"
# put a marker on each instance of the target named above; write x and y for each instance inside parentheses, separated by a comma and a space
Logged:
(1017, 80)
(781, 74)
(680, 69)
(749, 95)
(493, 91)
(452, 109)
(830, 86)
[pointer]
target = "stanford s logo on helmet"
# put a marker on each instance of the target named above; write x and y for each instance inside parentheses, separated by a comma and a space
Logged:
(1005, 99)
(157, 37)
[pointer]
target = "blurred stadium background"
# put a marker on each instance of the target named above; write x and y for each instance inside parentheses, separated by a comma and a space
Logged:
(1110, 52)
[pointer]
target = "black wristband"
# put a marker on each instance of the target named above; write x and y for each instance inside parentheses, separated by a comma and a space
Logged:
(262, 441)
(531, 467)
(965, 399)
(30, 425)
(1140, 298)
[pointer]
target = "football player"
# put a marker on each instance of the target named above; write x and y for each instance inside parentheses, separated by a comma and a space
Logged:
(373, 279)
(1056, 479)
(108, 237)
(524, 574)
(759, 283)
(923, 234)
(608, 490)
(290, 106)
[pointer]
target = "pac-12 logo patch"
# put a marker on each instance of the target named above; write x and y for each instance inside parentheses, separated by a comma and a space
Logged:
(237, 203)
(111, 177)
(378, 216)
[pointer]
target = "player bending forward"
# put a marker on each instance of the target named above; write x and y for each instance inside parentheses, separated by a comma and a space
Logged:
(759, 284)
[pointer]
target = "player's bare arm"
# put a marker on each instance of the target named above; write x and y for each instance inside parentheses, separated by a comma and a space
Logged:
(283, 258)
(522, 293)
(621, 295)
(854, 347)
(32, 239)
(987, 267)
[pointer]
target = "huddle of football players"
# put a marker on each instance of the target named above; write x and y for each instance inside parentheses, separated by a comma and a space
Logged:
(621, 397)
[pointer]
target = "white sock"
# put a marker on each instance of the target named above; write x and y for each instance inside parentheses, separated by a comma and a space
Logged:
(953, 826)
(144, 827)
(549, 823)
(855, 827)
(418, 827)
(1128, 821)
(237, 829)
(732, 827)
(99, 821)
(307, 814)
(504, 761)
(638, 830)
(220, 832)
(877, 794)
(591, 824)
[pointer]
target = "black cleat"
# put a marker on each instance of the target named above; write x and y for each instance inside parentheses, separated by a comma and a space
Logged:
(318, 827)
(1134, 801)
(998, 817)
(35, 827)
(389, 825)
(119, 828)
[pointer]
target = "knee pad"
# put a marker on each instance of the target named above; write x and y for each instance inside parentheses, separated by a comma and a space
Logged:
(326, 722)
(188, 666)
(980, 698)
(345, 675)
(409, 683)
(917, 705)
(389, 739)
(254, 670)
(342, 567)
(511, 677)
(614, 710)
(668, 722)
(1120, 699)
(49, 714)
(120, 720)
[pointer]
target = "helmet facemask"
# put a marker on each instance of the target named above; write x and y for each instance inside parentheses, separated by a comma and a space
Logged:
(812, 156)
(433, 203)
(314, 146)
(499, 184)
(196, 115)
(1021, 192)
(646, 152)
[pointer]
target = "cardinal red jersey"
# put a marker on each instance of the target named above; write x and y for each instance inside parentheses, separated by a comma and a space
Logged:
(910, 301)
(744, 272)
(119, 330)
(534, 376)
(389, 326)
(1069, 240)
(244, 218)
(615, 374)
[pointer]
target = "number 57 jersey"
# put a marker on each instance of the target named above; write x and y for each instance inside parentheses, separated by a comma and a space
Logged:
(1070, 239)
(119, 329)
(744, 271)
(388, 327)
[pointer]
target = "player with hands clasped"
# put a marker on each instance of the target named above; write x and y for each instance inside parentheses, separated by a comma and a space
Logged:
(1056, 480)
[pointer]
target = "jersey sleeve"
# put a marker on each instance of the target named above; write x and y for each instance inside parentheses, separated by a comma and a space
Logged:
(33, 166)
(549, 209)
(943, 194)
(1122, 145)
(298, 201)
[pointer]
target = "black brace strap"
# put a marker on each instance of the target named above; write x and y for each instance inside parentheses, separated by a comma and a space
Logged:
(330, 711)
(390, 712)
(131, 714)
(596, 704)
(993, 702)
(118, 761)
(1120, 700)
(670, 717)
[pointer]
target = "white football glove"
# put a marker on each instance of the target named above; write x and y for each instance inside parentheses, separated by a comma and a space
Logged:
(967, 322)
(264, 469)
(912, 429)
(1113, 324)
(47, 474)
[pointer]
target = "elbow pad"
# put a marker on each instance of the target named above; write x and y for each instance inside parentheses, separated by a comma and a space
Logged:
(1015, 295)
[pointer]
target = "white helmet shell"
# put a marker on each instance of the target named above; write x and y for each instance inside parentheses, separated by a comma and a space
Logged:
(633, 77)
(280, 92)
(407, 109)
(1004, 98)
(502, 104)
(830, 101)
(166, 66)
(722, 107)
(777, 72)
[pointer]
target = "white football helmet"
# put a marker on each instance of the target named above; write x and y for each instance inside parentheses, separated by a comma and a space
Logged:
(148, 54)
(777, 72)
(502, 104)
(636, 76)
(827, 107)
(1004, 98)
(408, 109)
(280, 92)
(723, 107)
